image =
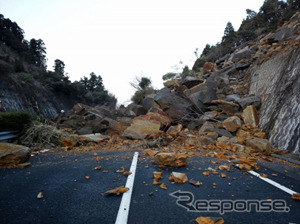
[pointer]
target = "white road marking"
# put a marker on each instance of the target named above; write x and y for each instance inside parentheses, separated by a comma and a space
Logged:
(281, 187)
(122, 216)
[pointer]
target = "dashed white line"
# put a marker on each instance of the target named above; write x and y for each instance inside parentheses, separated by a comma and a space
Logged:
(123, 212)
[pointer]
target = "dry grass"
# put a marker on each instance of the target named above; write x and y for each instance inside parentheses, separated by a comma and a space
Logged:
(43, 134)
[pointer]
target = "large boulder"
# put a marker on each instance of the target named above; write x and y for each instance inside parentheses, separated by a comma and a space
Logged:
(191, 81)
(172, 104)
(250, 116)
(141, 127)
(260, 144)
(245, 53)
(250, 100)
(201, 94)
(11, 155)
(148, 101)
(147, 124)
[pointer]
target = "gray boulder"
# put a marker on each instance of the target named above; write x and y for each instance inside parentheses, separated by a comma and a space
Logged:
(201, 95)
(172, 104)
(191, 81)
(250, 100)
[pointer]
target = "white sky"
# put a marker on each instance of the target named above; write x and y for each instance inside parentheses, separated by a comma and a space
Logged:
(121, 39)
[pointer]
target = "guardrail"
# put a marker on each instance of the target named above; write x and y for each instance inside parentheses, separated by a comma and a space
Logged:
(7, 135)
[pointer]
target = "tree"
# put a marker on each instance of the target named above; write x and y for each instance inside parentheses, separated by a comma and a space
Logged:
(250, 14)
(93, 83)
(38, 52)
(228, 40)
(228, 32)
(145, 82)
(143, 87)
(59, 67)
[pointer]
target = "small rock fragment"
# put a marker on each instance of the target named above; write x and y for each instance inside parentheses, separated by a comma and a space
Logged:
(296, 196)
(121, 171)
(163, 186)
(209, 220)
(40, 195)
(206, 173)
(178, 177)
(117, 190)
(195, 182)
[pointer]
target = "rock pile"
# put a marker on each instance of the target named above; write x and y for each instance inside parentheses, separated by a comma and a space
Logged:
(215, 112)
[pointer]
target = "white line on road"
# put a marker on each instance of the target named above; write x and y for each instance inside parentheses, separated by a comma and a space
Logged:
(275, 184)
(281, 187)
(122, 216)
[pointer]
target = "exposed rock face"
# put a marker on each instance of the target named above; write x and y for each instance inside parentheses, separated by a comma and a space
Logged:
(16, 95)
(11, 155)
(277, 82)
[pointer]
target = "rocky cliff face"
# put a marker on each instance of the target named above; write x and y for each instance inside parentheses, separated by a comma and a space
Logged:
(19, 95)
(277, 83)
(20, 91)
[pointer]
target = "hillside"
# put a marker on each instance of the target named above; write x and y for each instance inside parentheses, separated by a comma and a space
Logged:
(27, 85)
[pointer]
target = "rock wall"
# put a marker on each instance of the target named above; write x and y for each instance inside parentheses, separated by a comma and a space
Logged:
(17, 95)
(277, 82)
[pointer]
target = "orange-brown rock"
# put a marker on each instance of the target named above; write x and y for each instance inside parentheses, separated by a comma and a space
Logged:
(209, 220)
(178, 177)
(174, 130)
(141, 127)
(150, 152)
(208, 67)
(11, 155)
(250, 116)
(243, 134)
(160, 116)
(232, 124)
(117, 190)
(68, 142)
(157, 175)
(170, 159)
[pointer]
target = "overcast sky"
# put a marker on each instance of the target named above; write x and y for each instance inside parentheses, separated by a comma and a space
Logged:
(121, 39)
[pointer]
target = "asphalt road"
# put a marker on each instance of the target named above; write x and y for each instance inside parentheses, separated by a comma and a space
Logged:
(71, 198)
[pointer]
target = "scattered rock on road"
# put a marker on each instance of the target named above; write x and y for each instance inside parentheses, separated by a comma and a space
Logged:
(171, 159)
